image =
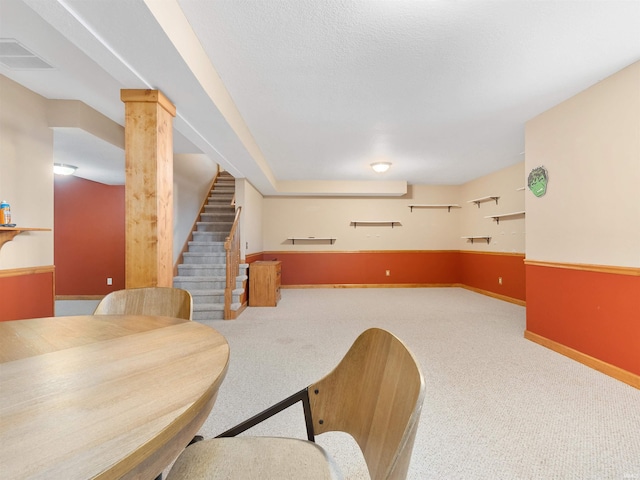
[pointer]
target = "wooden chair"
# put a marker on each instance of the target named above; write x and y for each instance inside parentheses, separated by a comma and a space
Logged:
(165, 301)
(375, 394)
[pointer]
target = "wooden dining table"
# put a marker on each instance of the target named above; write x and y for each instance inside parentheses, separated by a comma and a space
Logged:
(103, 396)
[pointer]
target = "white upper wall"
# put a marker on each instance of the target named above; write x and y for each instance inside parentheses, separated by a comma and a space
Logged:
(508, 233)
(590, 146)
(26, 175)
(192, 177)
(423, 228)
(251, 217)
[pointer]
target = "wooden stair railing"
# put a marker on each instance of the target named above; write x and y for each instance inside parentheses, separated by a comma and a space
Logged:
(232, 251)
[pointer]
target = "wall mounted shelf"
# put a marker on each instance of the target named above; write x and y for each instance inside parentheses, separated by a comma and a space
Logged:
(503, 215)
(478, 201)
(521, 188)
(448, 206)
(7, 233)
(312, 239)
(355, 223)
(478, 237)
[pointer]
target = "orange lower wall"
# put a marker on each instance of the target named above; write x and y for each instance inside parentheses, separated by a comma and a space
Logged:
(27, 293)
(481, 270)
(477, 270)
(253, 257)
(596, 313)
(344, 268)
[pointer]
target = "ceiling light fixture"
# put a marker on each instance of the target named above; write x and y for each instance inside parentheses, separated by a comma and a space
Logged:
(62, 169)
(381, 167)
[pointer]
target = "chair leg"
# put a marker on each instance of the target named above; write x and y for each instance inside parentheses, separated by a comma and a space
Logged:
(301, 396)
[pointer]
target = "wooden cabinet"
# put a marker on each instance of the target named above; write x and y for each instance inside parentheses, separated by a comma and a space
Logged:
(264, 283)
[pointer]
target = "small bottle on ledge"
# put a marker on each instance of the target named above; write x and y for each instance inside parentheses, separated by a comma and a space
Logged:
(5, 213)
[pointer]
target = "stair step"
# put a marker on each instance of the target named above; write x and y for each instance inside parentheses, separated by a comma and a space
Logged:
(199, 270)
(220, 209)
(206, 254)
(206, 242)
(214, 226)
(221, 206)
(206, 247)
(227, 213)
(191, 258)
(208, 306)
(199, 283)
(203, 282)
(214, 291)
(199, 236)
(215, 278)
(207, 221)
(218, 217)
(208, 315)
(215, 295)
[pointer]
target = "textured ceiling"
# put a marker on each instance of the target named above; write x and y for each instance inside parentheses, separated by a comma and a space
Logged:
(319, 89)
(441, 89)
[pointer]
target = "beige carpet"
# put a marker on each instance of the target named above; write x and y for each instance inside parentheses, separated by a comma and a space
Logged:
(497, 406)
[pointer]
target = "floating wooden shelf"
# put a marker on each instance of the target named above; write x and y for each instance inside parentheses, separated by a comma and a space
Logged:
(448, 206)
(478, 237)
(7, 233)
(503, 215)
(355, 223)
(478, 201)
(311, 239)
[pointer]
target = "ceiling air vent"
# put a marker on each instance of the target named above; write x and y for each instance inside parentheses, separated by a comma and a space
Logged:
(16, 57)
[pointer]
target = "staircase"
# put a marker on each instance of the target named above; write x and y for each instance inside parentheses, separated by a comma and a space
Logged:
(203, 271)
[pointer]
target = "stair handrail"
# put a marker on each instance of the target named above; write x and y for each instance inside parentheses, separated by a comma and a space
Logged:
(232, 250)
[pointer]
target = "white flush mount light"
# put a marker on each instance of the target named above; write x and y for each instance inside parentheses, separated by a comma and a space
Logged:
(62, 169)
(381, 167)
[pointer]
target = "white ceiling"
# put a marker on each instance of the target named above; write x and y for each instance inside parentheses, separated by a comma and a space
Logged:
(319, 89)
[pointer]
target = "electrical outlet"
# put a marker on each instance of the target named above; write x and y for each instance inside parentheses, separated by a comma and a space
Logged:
(109, 281)
(387, 273)
(499, 280)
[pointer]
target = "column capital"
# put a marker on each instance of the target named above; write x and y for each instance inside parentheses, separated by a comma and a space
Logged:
(148, 96)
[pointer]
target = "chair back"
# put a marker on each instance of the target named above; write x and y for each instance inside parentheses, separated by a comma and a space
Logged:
(375, 394)
(165, 301)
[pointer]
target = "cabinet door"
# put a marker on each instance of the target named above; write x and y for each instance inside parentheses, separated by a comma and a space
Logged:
(264, 284)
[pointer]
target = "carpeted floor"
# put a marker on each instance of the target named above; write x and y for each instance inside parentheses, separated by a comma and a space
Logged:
(497, 406)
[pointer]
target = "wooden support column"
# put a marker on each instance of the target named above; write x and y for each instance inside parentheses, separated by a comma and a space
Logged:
(148, 188)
